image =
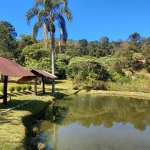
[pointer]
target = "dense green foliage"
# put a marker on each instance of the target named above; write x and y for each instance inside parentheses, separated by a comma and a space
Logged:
(8, 43)
(93, 64)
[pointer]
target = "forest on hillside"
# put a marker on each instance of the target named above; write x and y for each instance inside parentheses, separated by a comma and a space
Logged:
(102, 64)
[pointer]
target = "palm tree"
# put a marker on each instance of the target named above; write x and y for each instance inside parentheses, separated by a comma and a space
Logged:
(48, 12)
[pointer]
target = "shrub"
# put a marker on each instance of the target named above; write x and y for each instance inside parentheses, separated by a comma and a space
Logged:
(115, 76)
(100, 85)
(147, 65)
(124, 79)
(18, 88)
(29, 87)
(2, 89)
(82, 69)
(23, 87)
(11, 89)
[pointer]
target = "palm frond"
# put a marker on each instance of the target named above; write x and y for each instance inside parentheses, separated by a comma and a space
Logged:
(31, 13)
(58, 4)
(65, 2)
(36, 28)
(42, 15)
(39, 2)
(62, 26)
(67, 13)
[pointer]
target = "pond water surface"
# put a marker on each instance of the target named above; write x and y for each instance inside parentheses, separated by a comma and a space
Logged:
(92, 122)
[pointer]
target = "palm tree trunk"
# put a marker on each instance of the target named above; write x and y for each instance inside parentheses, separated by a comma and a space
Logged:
(45, 35)
(53, 60)
(60, 46)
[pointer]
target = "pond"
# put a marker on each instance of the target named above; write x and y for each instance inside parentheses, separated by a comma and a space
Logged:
(92, 122)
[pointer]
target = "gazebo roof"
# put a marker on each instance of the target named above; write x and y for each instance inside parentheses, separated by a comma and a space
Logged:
(10, 68)
(37, 72)
(44, 73)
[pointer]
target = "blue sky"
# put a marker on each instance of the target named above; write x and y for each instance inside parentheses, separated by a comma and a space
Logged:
(116, 19)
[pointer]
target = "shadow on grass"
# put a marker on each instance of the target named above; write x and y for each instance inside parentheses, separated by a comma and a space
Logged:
(35, 110)
(59, 81)
(58, 95)
(77, 92)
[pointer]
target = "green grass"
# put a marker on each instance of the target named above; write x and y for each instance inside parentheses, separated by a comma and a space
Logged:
(16, 125)
(13, 126)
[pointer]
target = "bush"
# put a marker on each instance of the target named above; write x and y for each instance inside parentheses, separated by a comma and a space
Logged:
(11, 89)
(28, 87)
(2, 89)
(18, 88)
(82, 69)
(23, 87)
(124, 79)
(147, 65)
(115, 76)
(100, 85)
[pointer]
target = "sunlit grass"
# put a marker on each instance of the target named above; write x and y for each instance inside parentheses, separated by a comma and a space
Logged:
(12, 124)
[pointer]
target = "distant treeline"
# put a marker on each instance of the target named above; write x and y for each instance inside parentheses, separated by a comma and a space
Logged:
(93, 63)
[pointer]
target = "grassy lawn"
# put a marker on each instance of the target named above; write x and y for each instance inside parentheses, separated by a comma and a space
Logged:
(15, 125)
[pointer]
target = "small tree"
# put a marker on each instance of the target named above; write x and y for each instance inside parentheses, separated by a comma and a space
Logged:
(11, 89)
(29, 87)
(18, 88)
(23, 88)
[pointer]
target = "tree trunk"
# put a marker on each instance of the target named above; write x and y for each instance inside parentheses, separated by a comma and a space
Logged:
(60, 46)
(53, 60)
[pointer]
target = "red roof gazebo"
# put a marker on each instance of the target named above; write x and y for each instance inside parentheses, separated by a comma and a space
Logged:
(10, 68)
(38, 73)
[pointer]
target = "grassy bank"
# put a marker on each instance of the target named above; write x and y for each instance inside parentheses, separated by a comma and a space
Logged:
(15, 125)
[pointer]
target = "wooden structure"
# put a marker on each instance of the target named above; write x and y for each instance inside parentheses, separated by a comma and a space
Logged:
(38, 74)
(10, 68)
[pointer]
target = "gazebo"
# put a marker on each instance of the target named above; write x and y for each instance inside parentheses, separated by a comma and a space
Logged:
(39, 73)
(10, 68)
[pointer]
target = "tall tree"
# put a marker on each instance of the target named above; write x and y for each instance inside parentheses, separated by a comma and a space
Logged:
(105, 47)
(8, 41)
(22, 43)
(135, 37)
(47, 12)
(92, 48)
(83, 47)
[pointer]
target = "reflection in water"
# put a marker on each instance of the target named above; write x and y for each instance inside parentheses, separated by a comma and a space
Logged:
(96, 122)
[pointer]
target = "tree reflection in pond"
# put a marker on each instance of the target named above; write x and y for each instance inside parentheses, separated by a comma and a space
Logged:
(112, 121)
(99, 110)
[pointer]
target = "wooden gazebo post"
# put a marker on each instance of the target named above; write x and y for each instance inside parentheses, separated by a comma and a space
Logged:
(35, 86)
(5, 89)
(43, 85)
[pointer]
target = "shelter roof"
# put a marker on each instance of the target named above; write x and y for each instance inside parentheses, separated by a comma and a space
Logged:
(37, 72)
(10, 68)
(44, 73)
